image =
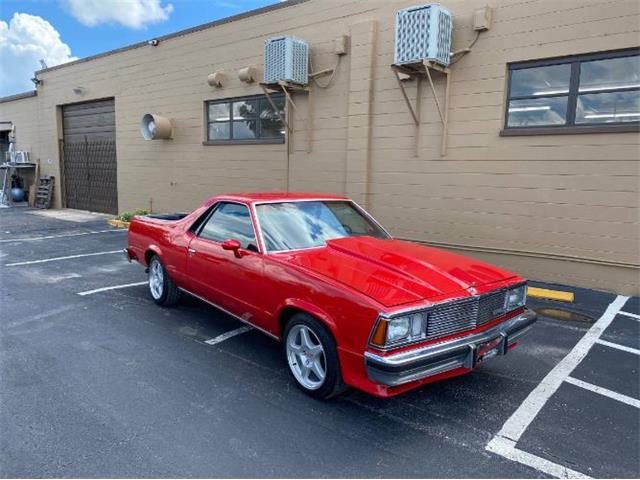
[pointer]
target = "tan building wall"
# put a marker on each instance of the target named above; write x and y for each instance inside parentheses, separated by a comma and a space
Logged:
(23, 113)
(559, 208)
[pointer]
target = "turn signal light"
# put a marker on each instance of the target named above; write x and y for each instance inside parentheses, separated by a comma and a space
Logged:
(379, 337)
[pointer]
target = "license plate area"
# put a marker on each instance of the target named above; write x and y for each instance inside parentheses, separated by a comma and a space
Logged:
(491, 348)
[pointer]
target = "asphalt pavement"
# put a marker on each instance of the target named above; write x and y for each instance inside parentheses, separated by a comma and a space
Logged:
(101, 382)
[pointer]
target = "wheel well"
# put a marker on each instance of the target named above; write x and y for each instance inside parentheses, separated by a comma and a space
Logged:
(147, 256)
(288, 312)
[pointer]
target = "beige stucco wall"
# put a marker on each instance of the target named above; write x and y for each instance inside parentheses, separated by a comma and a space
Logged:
(560, 208)
(23, 114)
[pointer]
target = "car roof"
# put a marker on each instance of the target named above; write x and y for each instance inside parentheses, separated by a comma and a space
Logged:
(257, 197)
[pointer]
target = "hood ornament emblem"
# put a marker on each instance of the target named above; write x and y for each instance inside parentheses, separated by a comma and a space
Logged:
(472, 289)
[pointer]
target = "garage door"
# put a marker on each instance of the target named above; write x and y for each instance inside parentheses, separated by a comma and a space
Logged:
(89, 155)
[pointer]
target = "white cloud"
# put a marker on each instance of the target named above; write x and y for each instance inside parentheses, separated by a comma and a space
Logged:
(130, 13)
(23, 42)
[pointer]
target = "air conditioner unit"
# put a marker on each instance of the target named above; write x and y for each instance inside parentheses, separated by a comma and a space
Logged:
(423, 33)
(19, 156)
(286, 59)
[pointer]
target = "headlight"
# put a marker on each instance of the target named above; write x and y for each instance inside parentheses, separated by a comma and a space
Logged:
(398, 330)
(516, 297)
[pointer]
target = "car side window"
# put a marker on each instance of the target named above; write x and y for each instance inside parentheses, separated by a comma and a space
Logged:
(230, 220)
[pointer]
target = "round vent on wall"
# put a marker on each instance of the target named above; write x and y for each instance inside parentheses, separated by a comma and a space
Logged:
(155, 127)
(217, 79)
(248, 74)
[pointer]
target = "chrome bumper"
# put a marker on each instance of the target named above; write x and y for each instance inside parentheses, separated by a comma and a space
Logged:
(411, 365)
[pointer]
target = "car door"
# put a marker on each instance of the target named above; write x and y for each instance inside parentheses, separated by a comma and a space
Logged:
(230, 279)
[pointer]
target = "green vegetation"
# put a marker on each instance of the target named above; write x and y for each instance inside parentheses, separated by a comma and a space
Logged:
(127, 216)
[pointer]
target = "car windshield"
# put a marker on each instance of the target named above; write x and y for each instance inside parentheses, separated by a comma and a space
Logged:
(306, 224)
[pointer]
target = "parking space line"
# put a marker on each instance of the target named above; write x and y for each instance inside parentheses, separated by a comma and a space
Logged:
(507, 448)
(68, 257)
(113, 287)
(629, 314)
(619, 347)
(520, 420)
(604, 391)
(63, 235)
(227, 335)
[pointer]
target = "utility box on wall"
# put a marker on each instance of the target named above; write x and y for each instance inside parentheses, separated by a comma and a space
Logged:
(286, 59)
(423, 33)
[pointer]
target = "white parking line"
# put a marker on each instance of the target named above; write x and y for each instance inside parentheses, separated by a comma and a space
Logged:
(504, 443)
(227, 335)
(64, 235)
(68, 257)
(113, 287)
(629, 314)
(604, 391)
(619, 347)
(507, 448)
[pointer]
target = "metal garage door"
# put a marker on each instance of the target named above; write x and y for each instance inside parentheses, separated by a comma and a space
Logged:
(89, 155)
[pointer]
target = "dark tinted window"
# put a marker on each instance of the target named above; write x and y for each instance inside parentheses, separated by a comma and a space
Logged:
(597, 89)
(230, 220)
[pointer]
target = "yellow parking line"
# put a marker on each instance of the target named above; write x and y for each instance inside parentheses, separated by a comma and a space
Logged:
(551, 294)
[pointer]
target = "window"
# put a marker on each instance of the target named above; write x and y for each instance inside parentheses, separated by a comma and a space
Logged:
(307, 224)
(230, 220)
(4, 144)
(569, 94)
(245, 120)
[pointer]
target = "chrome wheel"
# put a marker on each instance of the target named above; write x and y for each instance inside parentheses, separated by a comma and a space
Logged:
(156, 279)
(306, 357)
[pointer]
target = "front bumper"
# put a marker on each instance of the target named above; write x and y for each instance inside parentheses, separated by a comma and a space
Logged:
(462, 352)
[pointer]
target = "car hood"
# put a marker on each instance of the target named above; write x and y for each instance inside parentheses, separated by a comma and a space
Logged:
(394, 272)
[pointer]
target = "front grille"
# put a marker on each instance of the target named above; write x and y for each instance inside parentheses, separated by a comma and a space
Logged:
(465, 314)
(491, 306)
(451, 318)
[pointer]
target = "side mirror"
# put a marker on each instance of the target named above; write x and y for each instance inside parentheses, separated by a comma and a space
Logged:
(233, 245)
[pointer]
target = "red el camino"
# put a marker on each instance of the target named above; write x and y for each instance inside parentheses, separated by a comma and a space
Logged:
(352, 306)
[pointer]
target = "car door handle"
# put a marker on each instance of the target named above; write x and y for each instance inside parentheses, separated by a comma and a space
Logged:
(191, 251)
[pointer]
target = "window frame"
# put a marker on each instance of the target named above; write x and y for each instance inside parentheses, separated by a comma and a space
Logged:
(198, 225)
(234, 141)
(572, 96)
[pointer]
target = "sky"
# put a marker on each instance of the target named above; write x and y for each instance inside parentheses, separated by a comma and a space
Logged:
(59, 31)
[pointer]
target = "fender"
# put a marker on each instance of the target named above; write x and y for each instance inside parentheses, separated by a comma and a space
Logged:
(155, 249)
(311, 309)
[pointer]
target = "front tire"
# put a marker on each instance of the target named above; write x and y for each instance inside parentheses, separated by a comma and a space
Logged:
(162, 289)
(312, 357)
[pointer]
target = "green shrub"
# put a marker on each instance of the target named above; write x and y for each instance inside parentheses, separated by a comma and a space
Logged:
(127, 216)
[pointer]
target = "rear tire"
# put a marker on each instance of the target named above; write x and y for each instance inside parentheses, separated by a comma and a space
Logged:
(312, 357)
(162, 289)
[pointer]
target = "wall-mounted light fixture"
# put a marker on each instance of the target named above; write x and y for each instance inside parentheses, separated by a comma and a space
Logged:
(36, 81)
(153, 42)
(79, 90)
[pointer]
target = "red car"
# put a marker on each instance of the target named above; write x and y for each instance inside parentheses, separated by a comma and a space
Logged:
(352, 306)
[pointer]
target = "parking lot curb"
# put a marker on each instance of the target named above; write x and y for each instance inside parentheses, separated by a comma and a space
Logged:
(551, 294)
(118, 223)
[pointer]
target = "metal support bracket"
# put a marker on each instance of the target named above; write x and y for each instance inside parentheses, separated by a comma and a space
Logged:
(287, 89)
(416, 120)
(275, 108)
(418, 70)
